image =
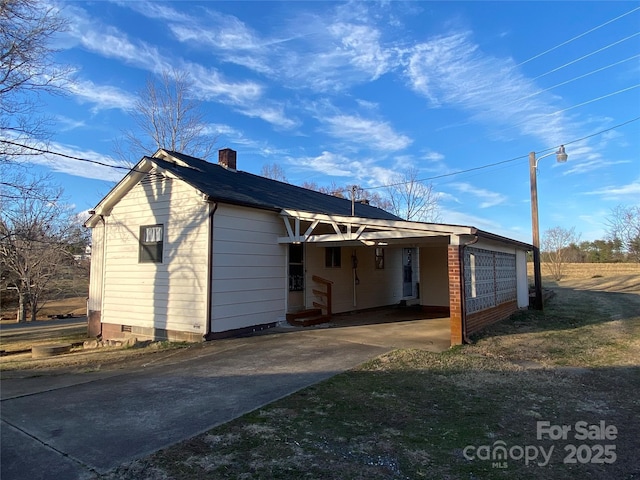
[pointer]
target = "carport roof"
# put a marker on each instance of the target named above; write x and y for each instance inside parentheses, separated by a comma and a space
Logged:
(370, 231)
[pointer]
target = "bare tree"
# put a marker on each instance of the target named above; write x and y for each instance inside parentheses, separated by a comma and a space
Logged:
(166, 115)
(27, 69)
(274, 171)
(624, 226)
(411, 199)
(34, 241)
(557, 245)
(361, 194)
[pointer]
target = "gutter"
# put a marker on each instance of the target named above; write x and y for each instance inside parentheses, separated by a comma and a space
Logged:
(463, 296)
(213, 206)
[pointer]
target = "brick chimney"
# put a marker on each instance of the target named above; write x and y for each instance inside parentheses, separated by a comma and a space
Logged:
(227, 158)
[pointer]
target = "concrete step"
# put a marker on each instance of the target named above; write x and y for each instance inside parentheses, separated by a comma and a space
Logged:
(308, 321)
(310, 312)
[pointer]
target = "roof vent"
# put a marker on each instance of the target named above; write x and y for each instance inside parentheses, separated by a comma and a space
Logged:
(227, 158)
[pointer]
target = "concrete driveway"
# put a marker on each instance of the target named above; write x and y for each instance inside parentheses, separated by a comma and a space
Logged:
(75, 426)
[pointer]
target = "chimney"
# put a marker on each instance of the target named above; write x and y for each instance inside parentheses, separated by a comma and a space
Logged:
(227, 158)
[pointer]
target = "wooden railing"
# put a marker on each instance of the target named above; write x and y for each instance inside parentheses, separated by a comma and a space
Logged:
(323, 294)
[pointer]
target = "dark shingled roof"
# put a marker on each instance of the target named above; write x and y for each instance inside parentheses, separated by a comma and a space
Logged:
(242, 188)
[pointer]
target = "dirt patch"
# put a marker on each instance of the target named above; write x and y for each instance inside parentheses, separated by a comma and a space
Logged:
(74, 306)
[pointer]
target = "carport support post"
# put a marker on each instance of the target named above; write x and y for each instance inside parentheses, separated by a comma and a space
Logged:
(455, 291)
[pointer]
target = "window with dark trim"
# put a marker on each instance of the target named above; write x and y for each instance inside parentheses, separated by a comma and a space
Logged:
(379, 258)
(296, 268)
(151, 242)
(332, 257)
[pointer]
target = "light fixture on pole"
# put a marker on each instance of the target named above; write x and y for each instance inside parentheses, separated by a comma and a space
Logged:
(561, 157)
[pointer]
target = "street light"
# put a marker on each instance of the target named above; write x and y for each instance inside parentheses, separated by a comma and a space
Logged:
(561, 157)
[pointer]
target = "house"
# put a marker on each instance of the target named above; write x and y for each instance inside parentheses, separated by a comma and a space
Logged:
(184, 249)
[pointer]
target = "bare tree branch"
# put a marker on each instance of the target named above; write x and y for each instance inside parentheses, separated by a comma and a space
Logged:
(623, 225)
(411, 199)
(26, 70)
(274, 171)
(36, 235)
(167, 116)
(556, 249)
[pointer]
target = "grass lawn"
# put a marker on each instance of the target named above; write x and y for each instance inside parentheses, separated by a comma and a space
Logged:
(411, 414)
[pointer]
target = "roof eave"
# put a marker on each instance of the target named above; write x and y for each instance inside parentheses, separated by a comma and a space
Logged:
(116, 194)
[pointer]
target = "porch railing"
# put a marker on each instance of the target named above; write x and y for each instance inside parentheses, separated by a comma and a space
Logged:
(325, 295)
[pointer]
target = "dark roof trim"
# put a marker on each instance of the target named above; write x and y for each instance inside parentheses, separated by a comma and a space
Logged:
(500, 238)
(213, 199)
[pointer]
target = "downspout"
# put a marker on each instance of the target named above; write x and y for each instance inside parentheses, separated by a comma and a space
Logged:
(104, 272)
(213, 206)
(463, 296)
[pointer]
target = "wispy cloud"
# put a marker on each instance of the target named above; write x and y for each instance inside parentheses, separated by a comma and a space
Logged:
(103, 97)
(273, 114)
(327, 163)
(621, 192)
(66, 124)
(366, 133)
(82, 168)
(487, 197)
(325, 52)
(208, 83)
(451, 70)
(111, 42)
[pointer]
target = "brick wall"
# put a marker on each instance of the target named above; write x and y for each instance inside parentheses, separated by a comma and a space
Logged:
(455, 293)
(479, 320)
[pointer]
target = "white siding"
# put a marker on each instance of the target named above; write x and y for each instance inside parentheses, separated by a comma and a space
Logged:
(96, 272)
(170, 295)
(249, 282)
(377, 288)
(522, 280)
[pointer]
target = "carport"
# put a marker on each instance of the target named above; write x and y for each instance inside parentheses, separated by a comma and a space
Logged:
(342, 264)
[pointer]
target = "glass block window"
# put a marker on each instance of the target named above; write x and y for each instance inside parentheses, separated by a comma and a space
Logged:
(489, 278)
(506, 289)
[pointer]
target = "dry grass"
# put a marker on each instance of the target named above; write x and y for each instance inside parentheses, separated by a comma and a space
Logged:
(75, 306)
(409, 414)
(574, 271)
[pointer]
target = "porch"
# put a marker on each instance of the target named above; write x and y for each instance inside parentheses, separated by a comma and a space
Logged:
(393, 327)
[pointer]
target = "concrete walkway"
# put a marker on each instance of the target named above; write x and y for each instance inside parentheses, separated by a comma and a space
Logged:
(74, 426)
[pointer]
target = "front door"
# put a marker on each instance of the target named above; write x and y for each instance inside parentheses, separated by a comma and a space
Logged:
(407, 272)
(296, 278)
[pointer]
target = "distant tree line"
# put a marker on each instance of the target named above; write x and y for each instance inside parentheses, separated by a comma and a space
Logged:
(597, 251)
(561, 246)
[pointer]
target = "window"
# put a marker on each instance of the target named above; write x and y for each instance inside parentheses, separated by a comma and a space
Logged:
(332, 257)
(379, 258)
(296, 268)
(151, 240)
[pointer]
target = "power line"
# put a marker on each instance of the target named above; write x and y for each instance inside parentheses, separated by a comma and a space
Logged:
(458, 172)
(586, 56)
(462, 124)
(596, 99)
(602, 97)
(576, 37)
(571, 80)
(481, 167)
(71, 157)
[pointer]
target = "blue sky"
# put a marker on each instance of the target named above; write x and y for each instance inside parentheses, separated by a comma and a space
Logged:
(356, 92)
